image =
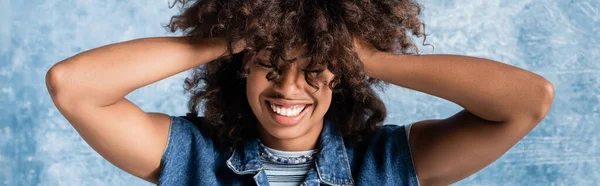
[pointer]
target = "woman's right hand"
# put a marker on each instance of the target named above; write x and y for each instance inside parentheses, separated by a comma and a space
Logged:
(239, 46)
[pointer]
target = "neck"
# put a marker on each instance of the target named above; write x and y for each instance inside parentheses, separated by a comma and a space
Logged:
(305, 142)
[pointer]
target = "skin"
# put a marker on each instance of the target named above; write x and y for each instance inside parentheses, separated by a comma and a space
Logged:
(502, 103)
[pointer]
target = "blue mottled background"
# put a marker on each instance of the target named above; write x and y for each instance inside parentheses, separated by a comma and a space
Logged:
(557, 39)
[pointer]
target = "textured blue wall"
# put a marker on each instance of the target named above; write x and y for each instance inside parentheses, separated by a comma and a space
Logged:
(557, 39)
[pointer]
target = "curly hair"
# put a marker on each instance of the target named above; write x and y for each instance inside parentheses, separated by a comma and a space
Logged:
(325, 27)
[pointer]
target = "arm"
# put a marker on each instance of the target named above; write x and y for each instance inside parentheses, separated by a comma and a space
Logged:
(89, 89)
(502, 104)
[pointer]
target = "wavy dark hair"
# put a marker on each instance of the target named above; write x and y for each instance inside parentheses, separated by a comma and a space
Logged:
(326, 28)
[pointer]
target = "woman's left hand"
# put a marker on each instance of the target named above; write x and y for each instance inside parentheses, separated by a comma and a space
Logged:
(364, 49)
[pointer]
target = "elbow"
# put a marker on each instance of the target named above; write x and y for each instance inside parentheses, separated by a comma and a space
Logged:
(544, 95)
(534, 107)
(57, 75)
(53, 77)
(55, 83)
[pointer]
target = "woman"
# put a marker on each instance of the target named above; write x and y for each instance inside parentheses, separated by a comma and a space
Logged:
(286, 90)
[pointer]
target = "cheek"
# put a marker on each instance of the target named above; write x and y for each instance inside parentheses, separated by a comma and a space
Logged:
(256, 83)
(324, 94)
(253, 95)
(323, 98)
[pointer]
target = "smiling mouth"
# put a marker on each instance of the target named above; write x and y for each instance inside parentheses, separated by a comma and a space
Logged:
(287, 110)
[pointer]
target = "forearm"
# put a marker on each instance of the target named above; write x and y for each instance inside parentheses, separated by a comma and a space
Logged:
(491, 90)
(104, 75)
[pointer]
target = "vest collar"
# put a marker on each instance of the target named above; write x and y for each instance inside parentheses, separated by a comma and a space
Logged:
(332, 162)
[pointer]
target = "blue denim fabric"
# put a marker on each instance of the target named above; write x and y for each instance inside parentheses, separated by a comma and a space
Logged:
(192, 158)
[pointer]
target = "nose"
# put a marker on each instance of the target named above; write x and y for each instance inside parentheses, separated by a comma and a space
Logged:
(291, 83)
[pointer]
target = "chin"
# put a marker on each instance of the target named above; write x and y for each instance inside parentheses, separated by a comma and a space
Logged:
(286, 132)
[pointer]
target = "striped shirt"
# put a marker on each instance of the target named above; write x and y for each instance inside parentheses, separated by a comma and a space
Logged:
(280, 174)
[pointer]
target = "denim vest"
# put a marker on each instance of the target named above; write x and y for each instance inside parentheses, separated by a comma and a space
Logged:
(193, 158)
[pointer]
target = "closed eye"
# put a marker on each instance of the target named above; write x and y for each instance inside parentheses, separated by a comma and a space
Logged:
(264, 65)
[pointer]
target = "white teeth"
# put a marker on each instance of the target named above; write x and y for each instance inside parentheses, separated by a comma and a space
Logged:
(287, 111)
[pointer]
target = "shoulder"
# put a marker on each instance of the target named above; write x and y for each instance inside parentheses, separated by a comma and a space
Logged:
(192, 127)
(190, 146)
(195, 124)
(390, 142)
(387, 153)
(388, 138)
(189, 136)
(390, 131)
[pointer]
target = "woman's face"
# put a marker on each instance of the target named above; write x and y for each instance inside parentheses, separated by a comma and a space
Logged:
(290, 110)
